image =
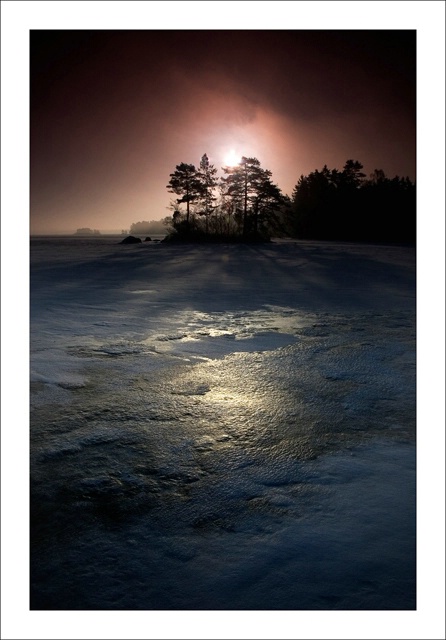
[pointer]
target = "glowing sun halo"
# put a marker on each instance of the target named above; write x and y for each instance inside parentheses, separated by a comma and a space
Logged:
(231, 159)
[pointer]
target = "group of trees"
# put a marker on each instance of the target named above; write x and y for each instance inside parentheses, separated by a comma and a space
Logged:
(86, 231)
(152, 227)
(345, 205)
(244, 203)
(327, 204)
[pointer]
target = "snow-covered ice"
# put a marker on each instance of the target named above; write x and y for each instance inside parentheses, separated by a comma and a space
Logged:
(222, 427)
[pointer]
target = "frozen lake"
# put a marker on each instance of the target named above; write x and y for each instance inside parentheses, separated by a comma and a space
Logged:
(222, 427)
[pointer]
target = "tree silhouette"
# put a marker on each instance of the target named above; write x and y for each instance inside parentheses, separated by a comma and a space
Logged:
(391, 204)
(343, 205)
(351, 175)
(185, 182)
(326, 204)
(267, 203)
(207, 182)
(252, 192)
(314, 200)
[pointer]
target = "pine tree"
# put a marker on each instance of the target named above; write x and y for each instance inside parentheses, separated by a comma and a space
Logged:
(185, 182)
(208, 181)
(252, 192)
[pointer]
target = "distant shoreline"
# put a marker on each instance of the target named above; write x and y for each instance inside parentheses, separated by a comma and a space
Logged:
(78, 235)
(161, 236)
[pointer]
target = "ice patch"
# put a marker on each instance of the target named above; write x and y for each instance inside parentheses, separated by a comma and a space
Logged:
(53, 377)
(216, 344)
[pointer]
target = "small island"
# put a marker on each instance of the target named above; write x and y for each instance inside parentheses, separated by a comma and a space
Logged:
(86, 231)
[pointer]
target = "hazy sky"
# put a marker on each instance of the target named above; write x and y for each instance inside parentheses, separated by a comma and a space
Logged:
(113, 112)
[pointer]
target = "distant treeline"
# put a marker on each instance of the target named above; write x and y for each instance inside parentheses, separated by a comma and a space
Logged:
(344, 205)
(327, 204)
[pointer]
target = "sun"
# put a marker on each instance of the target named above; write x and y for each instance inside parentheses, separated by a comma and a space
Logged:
(231, 159)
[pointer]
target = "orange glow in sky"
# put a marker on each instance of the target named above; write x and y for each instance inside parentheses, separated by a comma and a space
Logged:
(113, 112)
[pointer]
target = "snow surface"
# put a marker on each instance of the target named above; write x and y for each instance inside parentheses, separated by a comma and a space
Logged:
(222, 427)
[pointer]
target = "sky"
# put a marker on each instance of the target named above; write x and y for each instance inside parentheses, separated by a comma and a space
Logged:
(113, 112)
